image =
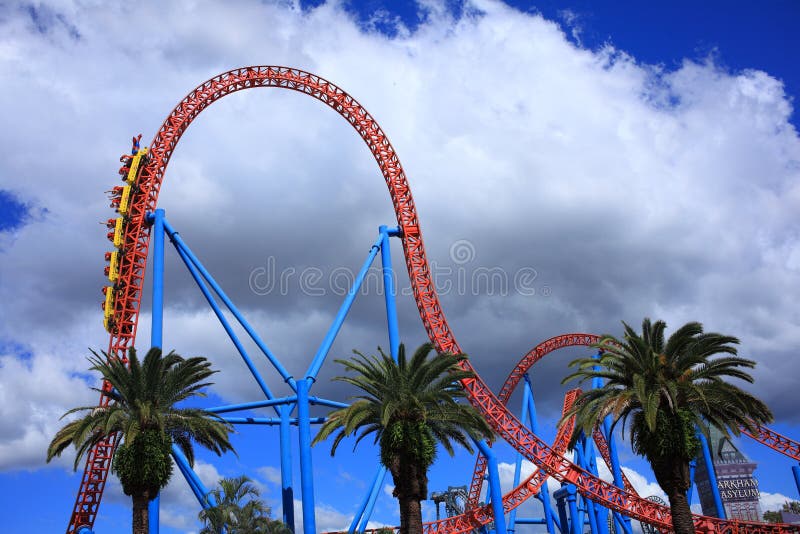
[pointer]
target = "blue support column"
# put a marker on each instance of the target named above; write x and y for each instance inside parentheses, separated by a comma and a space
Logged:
(544, 493)
(597, 514)
(157, 327)
(796, 473)
(306, 468)
(359, 523)
(388, 289)
(577, 515)
(692, 470)
(621, 522)
(380, 473)
(569, 523)
(494, 487)
(712, 474)
(373, 496)
(287, 492)
(524, 418)
(560, 496)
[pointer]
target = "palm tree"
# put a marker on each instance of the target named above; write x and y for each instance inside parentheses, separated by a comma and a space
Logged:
(143, 410)
(232, 515)
(409, 406)
(669, 390)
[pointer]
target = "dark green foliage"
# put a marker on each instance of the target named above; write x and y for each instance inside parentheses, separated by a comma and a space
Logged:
(674, 435)
(239, 510)
(408, 406)
(792, 507)
(668, 389)
(137, 475)
(772, 517)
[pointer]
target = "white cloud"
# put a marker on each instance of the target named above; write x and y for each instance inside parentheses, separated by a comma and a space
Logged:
(270, 473)
(773, 501)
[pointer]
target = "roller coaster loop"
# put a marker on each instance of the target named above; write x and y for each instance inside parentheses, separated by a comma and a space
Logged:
(123, 320)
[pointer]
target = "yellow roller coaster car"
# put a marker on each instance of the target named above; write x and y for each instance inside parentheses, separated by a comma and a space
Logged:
(113, 266)
(124, 201)
(108, 307)
(118, 232)
(131, 178)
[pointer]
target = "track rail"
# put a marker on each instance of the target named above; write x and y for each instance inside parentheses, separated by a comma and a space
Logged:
(523, 366)
(132, 268)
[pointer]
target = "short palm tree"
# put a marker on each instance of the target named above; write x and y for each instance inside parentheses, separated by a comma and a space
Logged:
(239, 510)
(409, 406)
(669, 390)
(143, 410)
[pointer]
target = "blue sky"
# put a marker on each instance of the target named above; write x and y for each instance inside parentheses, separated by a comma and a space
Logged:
(642, 158)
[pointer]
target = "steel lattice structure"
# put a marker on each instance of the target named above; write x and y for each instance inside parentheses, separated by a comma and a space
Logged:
(123, 307)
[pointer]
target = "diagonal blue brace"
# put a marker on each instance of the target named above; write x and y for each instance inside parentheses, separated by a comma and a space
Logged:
(622, 523)
(344, 309)
(544, 493)
(195, 267)
(494, 486)
(192, 264)
(360, 520)
(712, 474)
(202, 494)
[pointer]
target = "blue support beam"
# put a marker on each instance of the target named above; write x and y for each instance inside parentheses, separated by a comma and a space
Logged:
(388, 289)
(157, 329)
(326, 402)
(622, 524)
(561, 501)
(188, 257)
(796, 473)
(269, 421)
(712, 474)
(251, 405)
(544, 493)
(524, 418)
(373, 497)
(327, 342)
(368, 504)
(287, 492)
(567, 497)
(306, 468)
(495, 491)
(198, 488)
(195, 269)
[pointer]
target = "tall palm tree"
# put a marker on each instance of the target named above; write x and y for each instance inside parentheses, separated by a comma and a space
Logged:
(143, 410)
(409, 406)
(669, 390)
(233, 515)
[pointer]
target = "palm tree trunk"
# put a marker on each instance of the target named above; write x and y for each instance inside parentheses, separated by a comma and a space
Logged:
(141, 518)
(414, 517)
(410, 487)
(681, 513)
(672, 474)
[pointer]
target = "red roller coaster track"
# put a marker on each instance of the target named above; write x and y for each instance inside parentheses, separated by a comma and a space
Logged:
(128, 293)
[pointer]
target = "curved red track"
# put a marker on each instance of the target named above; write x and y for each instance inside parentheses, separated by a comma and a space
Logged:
(134, 257)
